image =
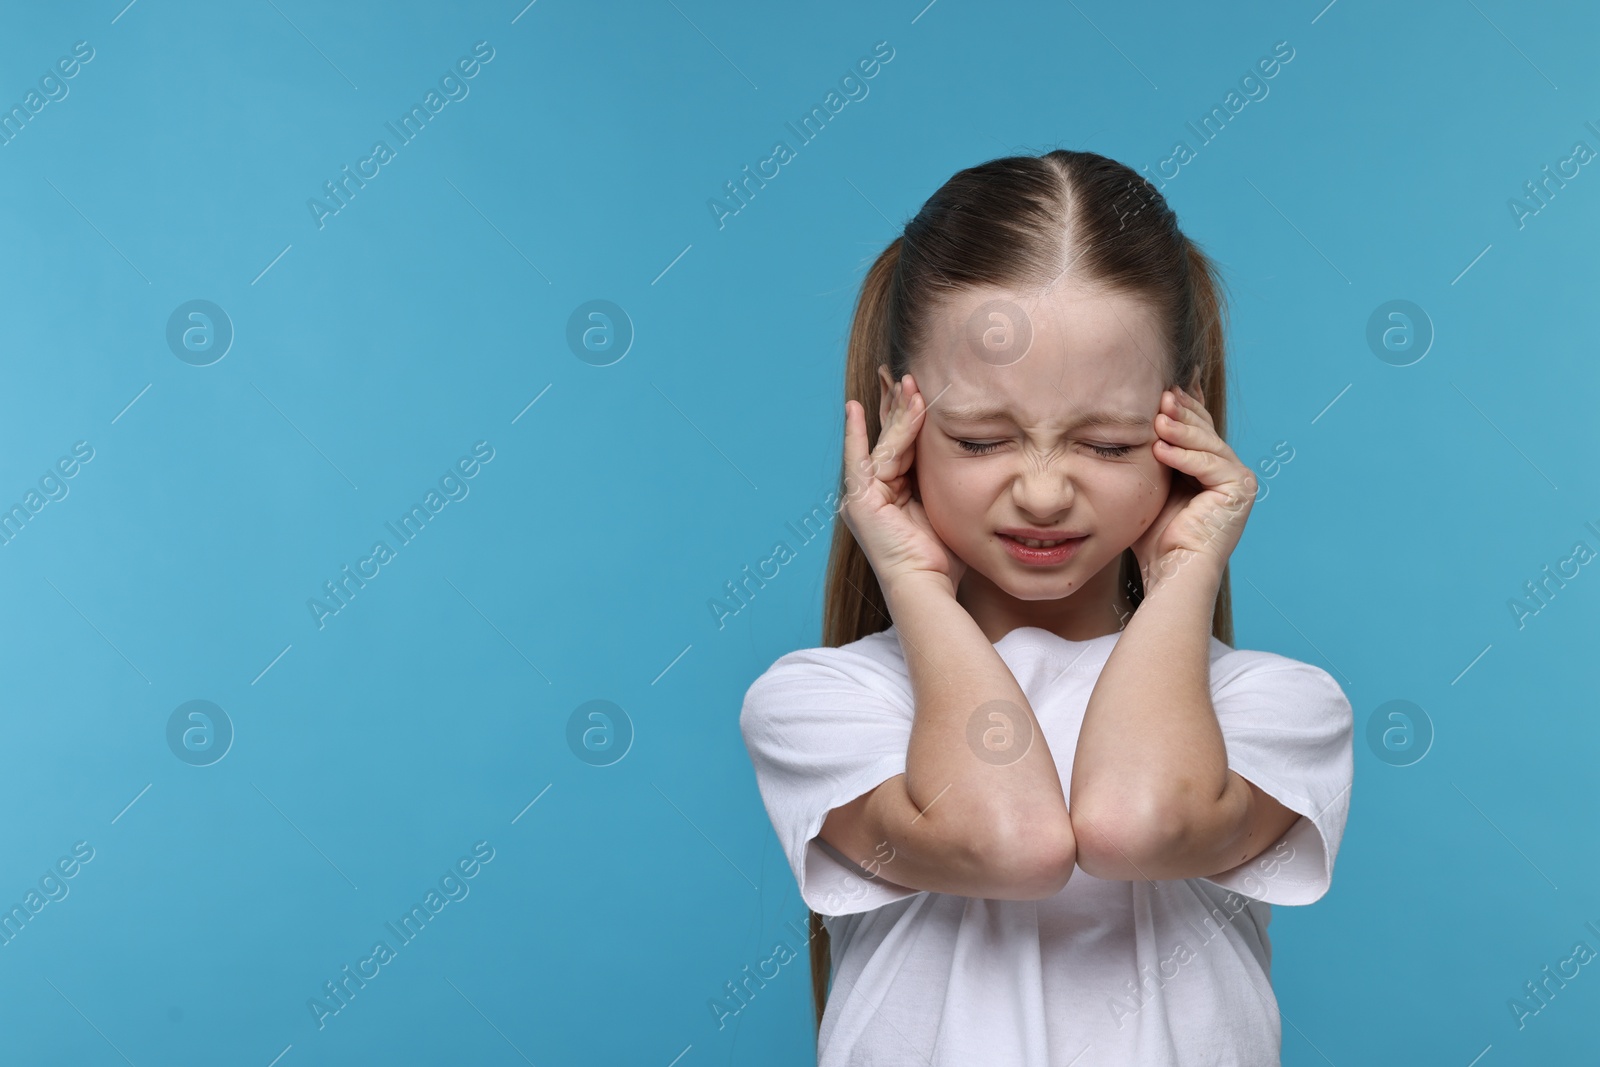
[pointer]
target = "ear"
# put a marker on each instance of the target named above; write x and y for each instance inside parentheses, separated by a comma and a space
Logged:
(1194, 390)
(886, 384)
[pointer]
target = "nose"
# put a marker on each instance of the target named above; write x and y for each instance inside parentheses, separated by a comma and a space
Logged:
(1043, 486)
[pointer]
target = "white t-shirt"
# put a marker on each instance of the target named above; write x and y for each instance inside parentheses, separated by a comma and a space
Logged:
(1103, 974)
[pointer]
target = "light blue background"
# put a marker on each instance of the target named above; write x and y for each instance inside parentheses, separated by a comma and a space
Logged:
(428, 314)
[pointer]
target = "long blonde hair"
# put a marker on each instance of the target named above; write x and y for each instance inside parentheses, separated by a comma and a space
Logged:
(1010, 223)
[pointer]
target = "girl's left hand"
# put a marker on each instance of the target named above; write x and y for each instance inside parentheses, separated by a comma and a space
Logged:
(1211, 496)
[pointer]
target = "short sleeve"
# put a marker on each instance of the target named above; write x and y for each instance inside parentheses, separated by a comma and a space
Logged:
(822, 727)
(1287, 727)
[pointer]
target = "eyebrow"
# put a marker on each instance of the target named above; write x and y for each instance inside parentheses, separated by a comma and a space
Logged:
(979, 413)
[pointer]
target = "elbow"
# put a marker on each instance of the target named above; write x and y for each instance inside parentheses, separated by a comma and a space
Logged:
(1035, 860)
(1123, 841)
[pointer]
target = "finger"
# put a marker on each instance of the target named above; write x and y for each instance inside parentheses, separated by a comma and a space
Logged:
(1187, 460)
(1211, 470)
(911, 406)
(1195, 438)
(855, 446)
(1188, 434)
(1190, 422)
(894, 450)
(861, 468)
(1171, 406)
(1191, 407)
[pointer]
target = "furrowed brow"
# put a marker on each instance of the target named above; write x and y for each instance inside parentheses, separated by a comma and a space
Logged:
(978, 413)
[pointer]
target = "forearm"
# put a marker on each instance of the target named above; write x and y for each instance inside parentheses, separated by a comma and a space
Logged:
(977, 762)
(1150, 747)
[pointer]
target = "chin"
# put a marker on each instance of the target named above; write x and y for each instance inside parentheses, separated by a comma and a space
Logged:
(1040, 595)
(1039, 585)
(1033, 587)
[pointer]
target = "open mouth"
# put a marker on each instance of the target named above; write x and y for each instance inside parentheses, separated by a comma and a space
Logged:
(1041, 551)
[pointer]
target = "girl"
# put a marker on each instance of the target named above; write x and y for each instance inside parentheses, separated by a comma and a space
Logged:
(1030, 592)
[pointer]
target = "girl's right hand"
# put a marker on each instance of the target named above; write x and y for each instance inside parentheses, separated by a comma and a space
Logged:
(880, 508)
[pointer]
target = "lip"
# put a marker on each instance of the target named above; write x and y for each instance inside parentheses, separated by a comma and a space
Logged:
(1040, 557)
(1035, 534)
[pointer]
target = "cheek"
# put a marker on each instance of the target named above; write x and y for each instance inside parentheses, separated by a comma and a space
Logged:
(1153, 490)
(949, 491)
(1137, 495)
(933, 481)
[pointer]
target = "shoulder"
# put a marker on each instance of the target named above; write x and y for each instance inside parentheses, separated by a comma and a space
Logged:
(875, 654)
(872, 667)
(1252, 680)
(1230, 665)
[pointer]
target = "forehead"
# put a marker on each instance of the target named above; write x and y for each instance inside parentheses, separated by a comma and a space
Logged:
(1080, 349)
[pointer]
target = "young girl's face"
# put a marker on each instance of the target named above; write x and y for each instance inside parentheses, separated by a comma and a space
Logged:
(1029, 439)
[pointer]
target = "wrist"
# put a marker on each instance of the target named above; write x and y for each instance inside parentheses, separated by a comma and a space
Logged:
(1185, 568)
(915, 585)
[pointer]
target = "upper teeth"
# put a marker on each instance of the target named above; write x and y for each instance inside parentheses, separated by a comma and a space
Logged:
(1040, 544)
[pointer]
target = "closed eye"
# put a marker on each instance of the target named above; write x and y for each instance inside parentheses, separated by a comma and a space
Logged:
(983, 448)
